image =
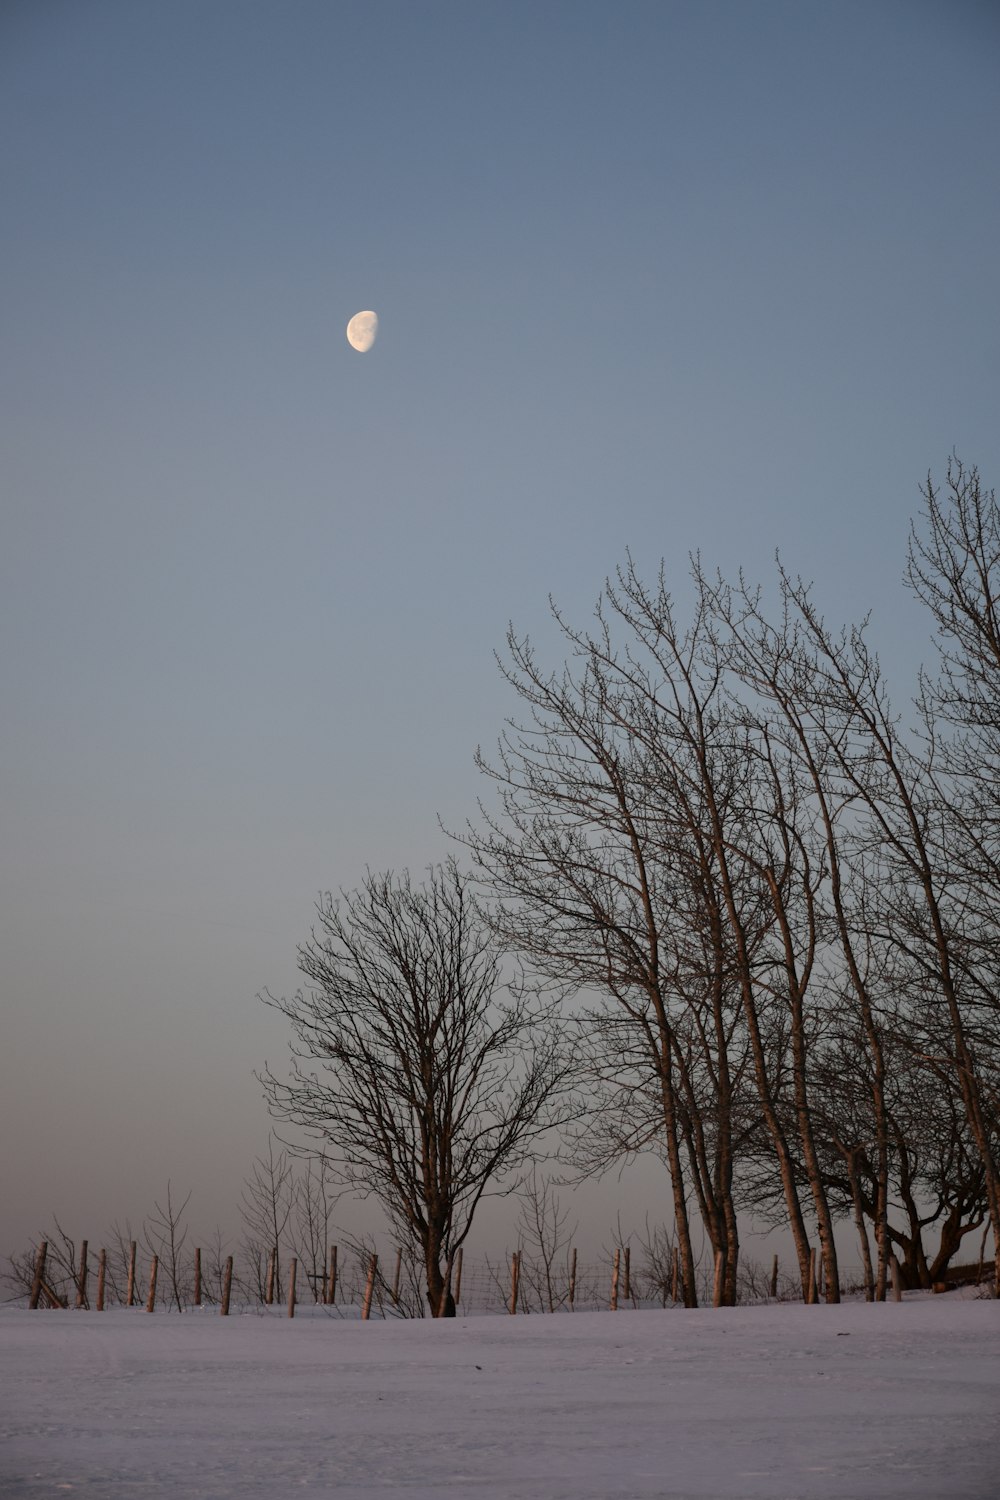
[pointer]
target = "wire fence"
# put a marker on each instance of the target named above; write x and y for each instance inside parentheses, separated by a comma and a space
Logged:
(354, 1280)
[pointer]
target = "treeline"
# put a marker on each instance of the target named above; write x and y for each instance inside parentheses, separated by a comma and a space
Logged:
(163, 1266)
(782, 895)
(728, 904)
(755, 910)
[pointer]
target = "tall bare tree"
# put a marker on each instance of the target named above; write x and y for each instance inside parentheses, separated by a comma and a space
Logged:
(572, 864)
(426, 1079)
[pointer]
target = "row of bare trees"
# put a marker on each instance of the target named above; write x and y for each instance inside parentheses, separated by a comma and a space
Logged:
(779, 896)
(727, 904)
(754, 913)
(543, 1273)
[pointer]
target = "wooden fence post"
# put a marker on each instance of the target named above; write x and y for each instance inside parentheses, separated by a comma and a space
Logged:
(332, 1283)
(197, 1278)
(39, 1277)
(395, 1279)
(102, 1262)
(271, 1270)
(151, 1299)
(572, 1279)
(627, 1288)
(515, 1273)
(897, 1290)
(369, 1288)
(81, 1280)
(614, 1281)
(458, 1275)
(130, 1294)
(774, 1278)
(227, 1283)
(292, 1268)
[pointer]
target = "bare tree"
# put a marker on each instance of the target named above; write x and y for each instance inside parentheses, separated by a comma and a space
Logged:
(574, 858)
(309, 1224)
(954, 569)
(61, 1266)
(544, 1233)
(120, 1240)
(656, 1271)
(166, 1234)
(20, 1273)
(213, 1266)
(424, 1079)
(266, 1206)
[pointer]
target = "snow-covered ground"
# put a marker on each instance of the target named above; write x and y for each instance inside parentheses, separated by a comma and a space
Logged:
(850, 1403)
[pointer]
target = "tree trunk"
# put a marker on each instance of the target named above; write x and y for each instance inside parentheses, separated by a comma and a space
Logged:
(439, 1295)
(851, 1158)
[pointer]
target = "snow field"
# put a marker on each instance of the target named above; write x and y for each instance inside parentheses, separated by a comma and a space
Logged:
(770, 1403)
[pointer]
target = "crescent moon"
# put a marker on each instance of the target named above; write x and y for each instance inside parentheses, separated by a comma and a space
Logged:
(361, 331)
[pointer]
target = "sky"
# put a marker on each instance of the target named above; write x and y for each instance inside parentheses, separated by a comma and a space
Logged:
(660, 277)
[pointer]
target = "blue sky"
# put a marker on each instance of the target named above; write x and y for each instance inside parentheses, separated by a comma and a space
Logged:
(652, 276)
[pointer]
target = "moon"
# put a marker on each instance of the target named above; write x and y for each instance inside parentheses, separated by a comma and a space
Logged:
(361, 331)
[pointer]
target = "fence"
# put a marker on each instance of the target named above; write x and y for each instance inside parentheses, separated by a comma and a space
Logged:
(354, 1280)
